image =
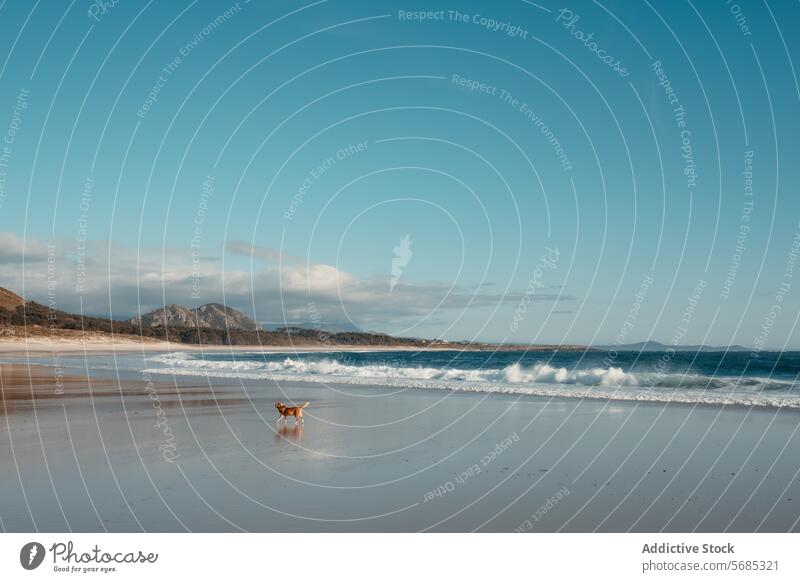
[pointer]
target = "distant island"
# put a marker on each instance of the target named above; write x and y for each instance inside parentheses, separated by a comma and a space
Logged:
(654, 346)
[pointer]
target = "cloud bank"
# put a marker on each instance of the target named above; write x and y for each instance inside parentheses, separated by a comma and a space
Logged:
(112, 280)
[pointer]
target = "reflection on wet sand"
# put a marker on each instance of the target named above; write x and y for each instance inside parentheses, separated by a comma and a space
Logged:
(210, 403)
(289, 433)
(25, 386)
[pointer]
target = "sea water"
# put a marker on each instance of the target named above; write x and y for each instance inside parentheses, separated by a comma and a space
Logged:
(721, 378)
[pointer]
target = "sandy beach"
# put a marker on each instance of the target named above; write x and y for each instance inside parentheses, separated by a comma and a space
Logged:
(200, 454)
(100, 344)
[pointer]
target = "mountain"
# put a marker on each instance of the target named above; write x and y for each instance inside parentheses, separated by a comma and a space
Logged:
(654, 346)
(9, 300)
(211, 316)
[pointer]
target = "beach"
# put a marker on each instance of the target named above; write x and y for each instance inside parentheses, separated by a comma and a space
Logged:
(80, 343)
(127, 452)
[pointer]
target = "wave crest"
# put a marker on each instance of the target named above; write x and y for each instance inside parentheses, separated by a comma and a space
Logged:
(595, 382)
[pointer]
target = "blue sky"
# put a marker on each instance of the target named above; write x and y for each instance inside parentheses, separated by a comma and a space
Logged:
(488, 137)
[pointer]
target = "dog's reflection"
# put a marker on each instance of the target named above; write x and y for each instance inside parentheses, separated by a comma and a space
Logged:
(290, 433)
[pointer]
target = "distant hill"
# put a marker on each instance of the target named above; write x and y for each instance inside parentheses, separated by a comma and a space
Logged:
(654, 346)
(211, 315)
(335, 327)
(9, 300)
(33, 319)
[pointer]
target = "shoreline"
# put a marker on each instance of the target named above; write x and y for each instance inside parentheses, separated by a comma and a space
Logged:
(542, 393)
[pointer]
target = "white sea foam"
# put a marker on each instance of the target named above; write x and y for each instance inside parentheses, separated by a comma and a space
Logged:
(537, 380)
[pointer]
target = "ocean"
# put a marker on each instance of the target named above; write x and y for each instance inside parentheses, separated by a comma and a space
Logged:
(733, 378)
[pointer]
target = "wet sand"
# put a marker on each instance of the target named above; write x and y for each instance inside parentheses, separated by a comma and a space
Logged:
(186, 455)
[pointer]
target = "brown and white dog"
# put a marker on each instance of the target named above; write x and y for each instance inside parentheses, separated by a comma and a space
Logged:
(287, 411)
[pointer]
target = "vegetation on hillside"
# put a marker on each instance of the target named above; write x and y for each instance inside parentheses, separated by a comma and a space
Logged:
(35, 316)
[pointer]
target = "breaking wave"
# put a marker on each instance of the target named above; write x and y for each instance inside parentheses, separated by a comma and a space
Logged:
(540, 379)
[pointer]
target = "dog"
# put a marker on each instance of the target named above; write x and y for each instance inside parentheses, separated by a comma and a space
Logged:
(287, 411)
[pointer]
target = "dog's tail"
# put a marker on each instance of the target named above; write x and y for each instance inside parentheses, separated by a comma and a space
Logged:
(304, 405)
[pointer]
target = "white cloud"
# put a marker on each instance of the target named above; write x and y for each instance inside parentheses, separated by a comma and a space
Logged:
(14, 250)
(137, 282)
